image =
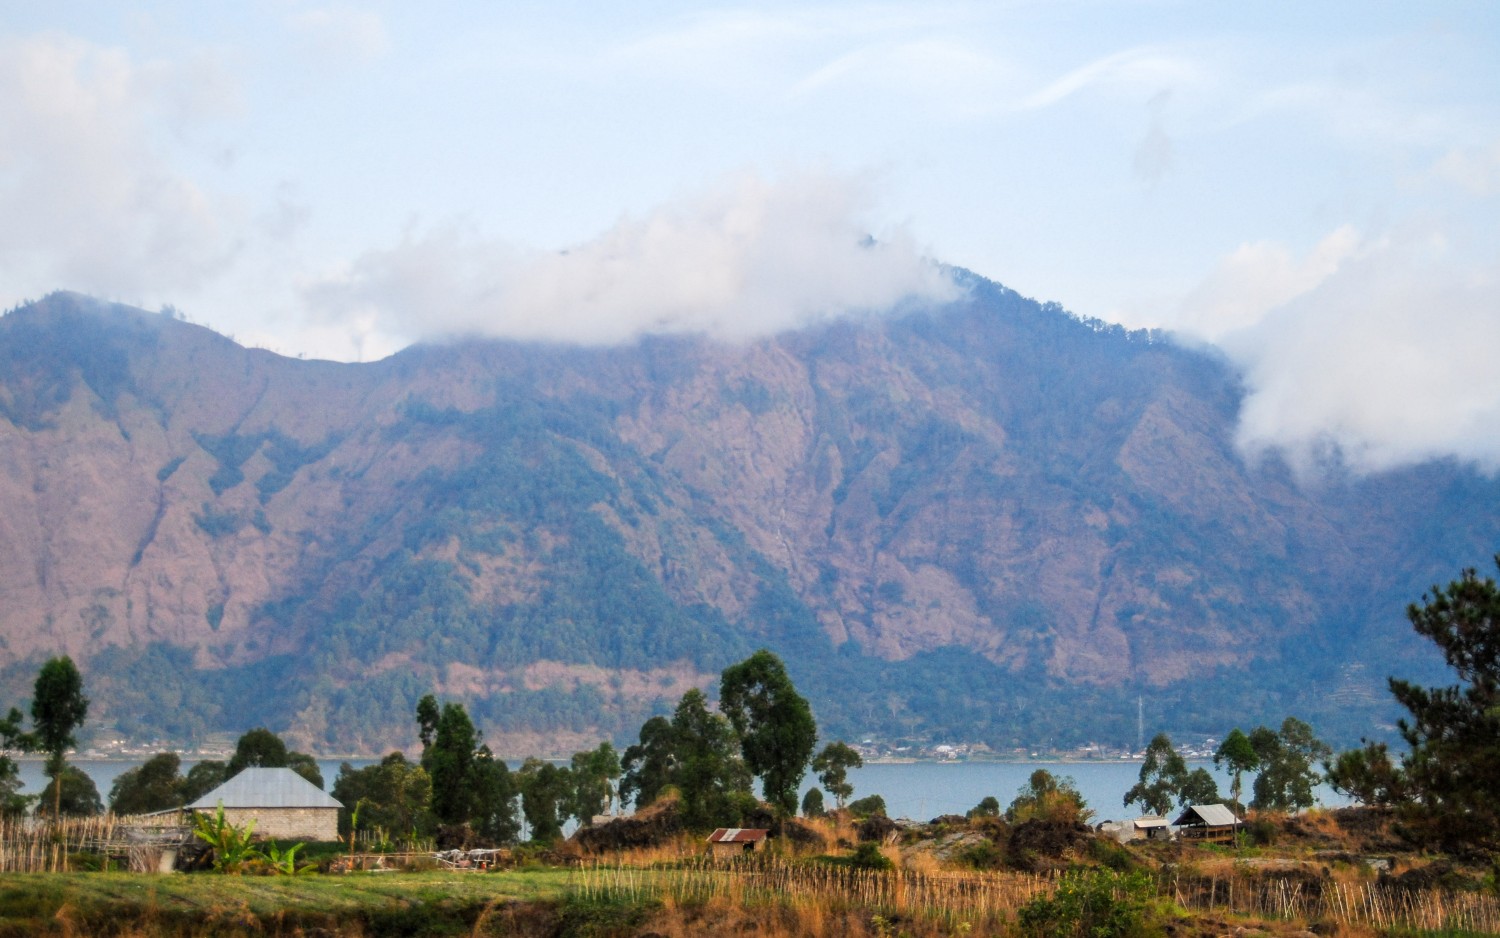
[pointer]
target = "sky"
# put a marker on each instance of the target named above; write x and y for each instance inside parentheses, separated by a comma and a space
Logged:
(1311, 189)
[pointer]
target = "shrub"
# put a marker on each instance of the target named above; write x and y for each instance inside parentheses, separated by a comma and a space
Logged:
(1112, 855)
(1261, 831)
(1094, 903)
(989, 806)
(867, 806)
(985, 855)
(867, 856)
(1048, 798)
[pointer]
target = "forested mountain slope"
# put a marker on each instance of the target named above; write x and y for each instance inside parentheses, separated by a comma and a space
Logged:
(988, 520)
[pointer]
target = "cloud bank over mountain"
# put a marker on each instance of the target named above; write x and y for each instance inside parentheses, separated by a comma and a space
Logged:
(1318, 196)
(748, 257)
(1367, 353)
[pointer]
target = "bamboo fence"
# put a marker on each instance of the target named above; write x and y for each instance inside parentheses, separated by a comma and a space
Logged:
(40, 845)
(1376, 904)
(948, 897)
(953, 897)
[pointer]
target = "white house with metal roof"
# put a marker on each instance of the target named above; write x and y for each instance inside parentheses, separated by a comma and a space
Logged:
(283, 805)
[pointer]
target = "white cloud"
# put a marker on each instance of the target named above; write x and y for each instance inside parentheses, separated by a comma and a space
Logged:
(1137, 69)
(1381, 350)
(746, 258)
(947, 73)
(1153, 155)
(342, 32)
(88, 201)
(1256, 278)
(1475, 170)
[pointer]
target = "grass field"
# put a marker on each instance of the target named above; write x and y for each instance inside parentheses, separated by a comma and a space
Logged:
(126, 904)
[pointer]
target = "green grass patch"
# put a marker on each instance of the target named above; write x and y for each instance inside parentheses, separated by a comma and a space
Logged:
(370, 904)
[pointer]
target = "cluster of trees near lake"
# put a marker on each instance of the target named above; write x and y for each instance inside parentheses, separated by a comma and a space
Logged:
(1286, 762)
(1446, 786)
(460, 791)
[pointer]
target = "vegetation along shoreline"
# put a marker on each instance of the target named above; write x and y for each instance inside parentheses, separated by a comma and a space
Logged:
(455, 842)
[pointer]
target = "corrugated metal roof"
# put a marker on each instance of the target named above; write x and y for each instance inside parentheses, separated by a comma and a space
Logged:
(737, 835)
(267, 788)
(1214, 815)
(1150, 820)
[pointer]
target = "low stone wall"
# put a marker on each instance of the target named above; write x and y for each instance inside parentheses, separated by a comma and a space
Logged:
(288, 823)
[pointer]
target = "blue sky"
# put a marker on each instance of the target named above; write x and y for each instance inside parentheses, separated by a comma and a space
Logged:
(1312, 188)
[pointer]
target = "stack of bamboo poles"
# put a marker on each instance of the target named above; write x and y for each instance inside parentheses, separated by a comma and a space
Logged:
(34, 845)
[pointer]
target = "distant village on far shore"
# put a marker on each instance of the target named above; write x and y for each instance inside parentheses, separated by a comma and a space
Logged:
(871, 750)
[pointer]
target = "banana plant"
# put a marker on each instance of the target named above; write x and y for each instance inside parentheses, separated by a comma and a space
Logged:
(354, 824)
(284, 862)
(231, 842)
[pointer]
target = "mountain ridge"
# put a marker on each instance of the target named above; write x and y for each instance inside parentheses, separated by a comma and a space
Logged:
(987, 518)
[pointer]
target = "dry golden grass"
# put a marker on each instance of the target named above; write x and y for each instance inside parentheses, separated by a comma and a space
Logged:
(818, 899)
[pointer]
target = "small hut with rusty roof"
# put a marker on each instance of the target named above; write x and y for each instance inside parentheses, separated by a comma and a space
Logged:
(734, 841)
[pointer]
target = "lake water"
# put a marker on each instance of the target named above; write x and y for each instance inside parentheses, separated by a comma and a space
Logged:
(916, 790)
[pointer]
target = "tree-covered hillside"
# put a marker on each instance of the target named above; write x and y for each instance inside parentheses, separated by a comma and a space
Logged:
(987, 521)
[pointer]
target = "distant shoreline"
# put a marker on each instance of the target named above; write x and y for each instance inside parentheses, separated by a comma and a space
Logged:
(356, 757)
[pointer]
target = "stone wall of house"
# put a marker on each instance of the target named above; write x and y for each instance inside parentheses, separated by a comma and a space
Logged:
(288, 823)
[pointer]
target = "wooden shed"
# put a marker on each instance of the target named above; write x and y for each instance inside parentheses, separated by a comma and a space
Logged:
(1208, 823)
(734, 841)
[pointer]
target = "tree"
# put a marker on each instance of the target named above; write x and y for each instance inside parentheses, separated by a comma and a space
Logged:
(1237, 756)
(594, 773)
(58, 708)
(697, 753)
(469, 785)
(391, 795)
(495, 791)
(202, 779)
(812, 803)
(1288, 766)
(1045, 797)
(262, 749)
(1367, 775)
(647, 765)
(77, 796)
(1448, 783)
(833, 765)
(155, 785)
(713, 781)
(258, 749)
(449, 760)
(544, 796)
(305, 766)
(12, 802)
(775, 725)
(1197, 787)
(428, 714)
(1453, 768)
(1160, 779)
(449, 744)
